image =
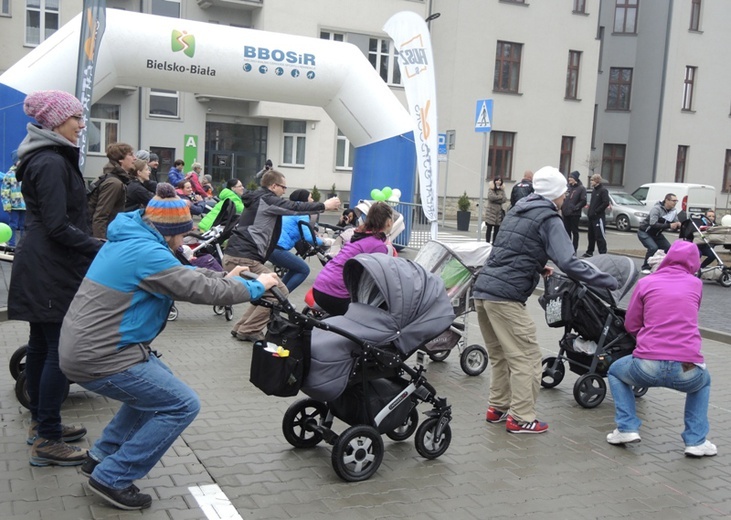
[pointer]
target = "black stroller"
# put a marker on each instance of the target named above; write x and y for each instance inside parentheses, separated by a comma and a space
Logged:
(353, 367)
(594, 334)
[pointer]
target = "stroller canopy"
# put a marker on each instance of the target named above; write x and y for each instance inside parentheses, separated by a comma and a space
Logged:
(621, 267)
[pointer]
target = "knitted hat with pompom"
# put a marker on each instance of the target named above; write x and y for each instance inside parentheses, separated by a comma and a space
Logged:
(168, 212)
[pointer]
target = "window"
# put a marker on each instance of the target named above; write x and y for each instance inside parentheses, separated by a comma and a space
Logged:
(688, 84)
(500, 160)
(727, 173)
(695, 15)
(572, 75)
(507, 66)
(103, 128)
(344, 152)
(625, 16)
(294, 142)
(567, 152)
(164, 103)
(4, 7)
(620, 89)
(613, 164)
(328, 35)
(384, 59)
(580, 6)
(169, 8)
(41, 20)
(680, 161)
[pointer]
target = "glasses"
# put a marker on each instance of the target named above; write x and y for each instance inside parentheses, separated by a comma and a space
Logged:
(282, 186)
(673, 200)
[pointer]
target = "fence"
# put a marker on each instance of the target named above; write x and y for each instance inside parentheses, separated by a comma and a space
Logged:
(418, 229)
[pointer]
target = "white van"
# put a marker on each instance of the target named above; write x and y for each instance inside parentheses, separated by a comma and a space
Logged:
(694, 198)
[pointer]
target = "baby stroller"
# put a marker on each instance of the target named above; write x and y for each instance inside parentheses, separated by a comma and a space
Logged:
(210, 243)
(594, 334)
(353, 367)
(710, 236)
(307, 247)
(457, 265)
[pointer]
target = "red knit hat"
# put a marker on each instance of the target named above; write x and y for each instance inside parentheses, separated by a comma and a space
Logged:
(51, 108)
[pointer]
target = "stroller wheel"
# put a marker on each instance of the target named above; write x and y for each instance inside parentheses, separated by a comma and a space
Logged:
(173, 314)
(357, 453)
(229, 313)
(473, 360)
(426, 440)
(21, 390)
(590, 390)
(639, 391)
(218, 310)
(552, 377)
(407, 429)
(299, 420)
(17, 361)
(439, 355)
(725, 279)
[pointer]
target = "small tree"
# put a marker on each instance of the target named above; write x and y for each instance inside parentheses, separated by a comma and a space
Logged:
(315, 194)
(252, 186)
(333, 191)
(464, 202)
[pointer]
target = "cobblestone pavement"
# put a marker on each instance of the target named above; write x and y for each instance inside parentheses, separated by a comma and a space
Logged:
(236, 443)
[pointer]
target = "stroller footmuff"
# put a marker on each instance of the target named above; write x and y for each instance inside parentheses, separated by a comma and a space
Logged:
(354, 367)
(594, 335)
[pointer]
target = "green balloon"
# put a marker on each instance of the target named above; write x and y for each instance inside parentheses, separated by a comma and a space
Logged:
(377, 194)
(5, 232)
(387, 192)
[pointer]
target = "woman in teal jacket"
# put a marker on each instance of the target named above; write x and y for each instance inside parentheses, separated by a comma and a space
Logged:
(233, 190)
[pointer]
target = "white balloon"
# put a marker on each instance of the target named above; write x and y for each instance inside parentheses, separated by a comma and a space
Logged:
(726, 220)
(396, 193)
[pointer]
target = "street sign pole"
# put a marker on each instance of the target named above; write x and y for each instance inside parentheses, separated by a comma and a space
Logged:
(483, 168)
(446, 183)
(483, 124)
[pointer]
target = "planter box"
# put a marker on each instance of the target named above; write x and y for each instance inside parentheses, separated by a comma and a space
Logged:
(463, 220)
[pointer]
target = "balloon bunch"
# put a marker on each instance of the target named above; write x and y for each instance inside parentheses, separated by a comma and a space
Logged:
(387, 193)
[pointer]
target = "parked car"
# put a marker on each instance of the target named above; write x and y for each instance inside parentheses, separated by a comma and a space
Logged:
(694, 198)
(625, 212)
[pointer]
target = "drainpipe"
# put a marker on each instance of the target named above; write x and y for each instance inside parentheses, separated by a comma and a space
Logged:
(662, 90)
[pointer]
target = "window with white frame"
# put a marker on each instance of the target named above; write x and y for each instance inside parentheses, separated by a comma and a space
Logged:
(164, 103)
(333, 36)
(382, 55)
(294, 142)
(103, 127)
(169, 8)
(41, 20)
(688, 87)
(344, 152)
(4, 7)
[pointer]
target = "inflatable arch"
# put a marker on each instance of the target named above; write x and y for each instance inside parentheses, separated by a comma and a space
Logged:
(143, 50)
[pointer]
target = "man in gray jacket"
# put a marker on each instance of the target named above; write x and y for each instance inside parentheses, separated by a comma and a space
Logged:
(531, 234)
(661, 216)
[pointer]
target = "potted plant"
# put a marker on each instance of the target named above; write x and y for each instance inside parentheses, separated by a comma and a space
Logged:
(333, 192)
(315, 193)
(463, 213)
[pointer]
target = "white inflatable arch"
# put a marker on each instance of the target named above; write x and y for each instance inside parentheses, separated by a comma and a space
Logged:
(141, 50)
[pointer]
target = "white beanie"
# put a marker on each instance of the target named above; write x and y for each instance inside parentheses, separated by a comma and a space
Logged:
(550, 183)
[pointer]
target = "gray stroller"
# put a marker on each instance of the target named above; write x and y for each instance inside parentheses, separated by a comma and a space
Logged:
(353, 367)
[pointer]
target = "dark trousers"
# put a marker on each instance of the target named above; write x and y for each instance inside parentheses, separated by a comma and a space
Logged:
(707, 251)
(489, 231)
(652, 244)
(596, 235)
(46, 382)
(330, 304)
(571, 223)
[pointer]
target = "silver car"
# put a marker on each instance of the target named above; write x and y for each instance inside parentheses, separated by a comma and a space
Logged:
(625, 212)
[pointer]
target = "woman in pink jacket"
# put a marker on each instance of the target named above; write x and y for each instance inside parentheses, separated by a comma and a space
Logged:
(663, 316)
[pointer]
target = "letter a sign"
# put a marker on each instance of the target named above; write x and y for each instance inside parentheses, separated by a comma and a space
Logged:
(483, 115)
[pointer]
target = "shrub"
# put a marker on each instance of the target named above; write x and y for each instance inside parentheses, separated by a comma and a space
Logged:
(315, 194)
(464, 202)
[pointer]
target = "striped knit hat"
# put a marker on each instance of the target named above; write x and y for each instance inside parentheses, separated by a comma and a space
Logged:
(168, 212)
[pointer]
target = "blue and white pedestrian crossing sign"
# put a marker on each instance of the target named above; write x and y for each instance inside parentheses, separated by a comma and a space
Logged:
(483, 115)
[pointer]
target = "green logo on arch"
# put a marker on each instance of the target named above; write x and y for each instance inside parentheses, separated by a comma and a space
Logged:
(182, 41)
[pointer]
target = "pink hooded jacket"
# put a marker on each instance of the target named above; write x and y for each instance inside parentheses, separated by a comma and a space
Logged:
(663, 310)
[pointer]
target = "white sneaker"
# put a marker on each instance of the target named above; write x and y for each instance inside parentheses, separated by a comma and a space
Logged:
(646, 271)
(618, 437)
(707, 449)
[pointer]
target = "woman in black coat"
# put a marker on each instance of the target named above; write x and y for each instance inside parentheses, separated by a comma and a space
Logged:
(50, 263)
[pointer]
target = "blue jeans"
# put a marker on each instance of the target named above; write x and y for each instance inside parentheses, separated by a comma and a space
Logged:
(297, 269)
(156, 408)
(652, 244)
(46, 383)
(692, 380)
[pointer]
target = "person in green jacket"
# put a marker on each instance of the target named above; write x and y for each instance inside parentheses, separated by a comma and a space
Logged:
(233, 190)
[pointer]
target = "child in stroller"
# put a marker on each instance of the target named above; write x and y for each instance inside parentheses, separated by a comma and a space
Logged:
(353, 366)
(705, 234)
(594, 333)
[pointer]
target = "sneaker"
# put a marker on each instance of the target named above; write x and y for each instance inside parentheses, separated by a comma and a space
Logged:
(618, 437)
(707, 449)
(69, 433)
(128, 498)
(495, 416)
(46, 452)
(536, 426)
(249, 337)
(587, 255)
(646, 269)
(234, 333)
(87, 468)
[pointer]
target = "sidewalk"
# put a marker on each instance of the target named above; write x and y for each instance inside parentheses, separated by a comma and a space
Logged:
(236, 443)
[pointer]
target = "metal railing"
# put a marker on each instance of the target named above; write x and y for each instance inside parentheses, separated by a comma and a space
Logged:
(417, 230)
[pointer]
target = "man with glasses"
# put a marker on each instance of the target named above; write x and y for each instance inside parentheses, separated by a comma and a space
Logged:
(662, 216)
(255, 237)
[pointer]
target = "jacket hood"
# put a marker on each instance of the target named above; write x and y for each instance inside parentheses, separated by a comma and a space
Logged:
(250, 196)
(37, 139)
(131, 226)
(533, 201)
(681, 256)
